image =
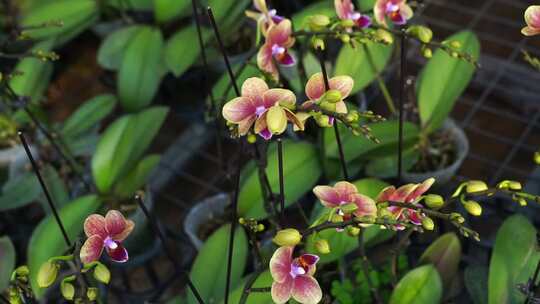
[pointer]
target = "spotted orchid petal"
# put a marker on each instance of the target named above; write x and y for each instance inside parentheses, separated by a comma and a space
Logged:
(95, 225)
(414, 217)
(315, 86)
(344, 84)
(345, 190)
(254, 88)
(309, 261)
(419, 190)
(276, 120)
(532, 18)
(280, 34)
(385, 193)
(265, 61)
(115, 222)
(245, 125)
(366, 205)
(306, 290)
(402, 193)
(341, 108)
(282, 292)
(328, 196)
(286, 59)
(238, 109)
(302, 118)
(274, 97)
(280, 264)
(91, 249)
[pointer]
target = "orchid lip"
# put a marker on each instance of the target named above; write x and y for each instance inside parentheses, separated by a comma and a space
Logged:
(277, 50)
(110, 243)
(260, 111)
(297, 270)
(391, 8)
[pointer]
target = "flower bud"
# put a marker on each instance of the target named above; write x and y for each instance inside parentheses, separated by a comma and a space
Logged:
(475, 186)
(318, 22)
(336, 218)
(522, 202)
(47, 274)
(322, 246)
(423, 33)
(68, 290)
(323, 120)
(434, 201)
(328, 106)
(509, 185)
(14, 296)
(276, 120)
(455, 44)
(317, 43)
(22, 271)
(384, 36)
(537, 157)
(353, 231)
(345, 38)
(456, 217)
(427, 52)
(92, 293)
(260, 227)
(347, 23)
(287, 237)
(383, 212)
(473, 207)
(251, 138)
(332, 96)
(102, 273)
(428, 223)
(241, 221)
(454, 54)
(352, 116)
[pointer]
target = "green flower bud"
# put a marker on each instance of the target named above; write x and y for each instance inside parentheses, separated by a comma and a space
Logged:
(241, 221)
(456, 217)
(352, 116)
(251, 138)
(384, 36)
(323, 120)
(102, 273)
(349, 208)
(336, 218)
(428, 223)
(475, 186)
(318, 22)
(332, 96)
(345, 38)
(287, 237)
(522, 202)
(317, 43)
(473, 207)
(322, 246)
(537, 157)
(423, 33)
(434, 201)
(455, 44)
(68, 290)
(509, 185)
(92, 293)
(427, 52)
(328, 106)
(454, 54)
(47, 274)
(260, 227)
(353, 231)
(347, 23)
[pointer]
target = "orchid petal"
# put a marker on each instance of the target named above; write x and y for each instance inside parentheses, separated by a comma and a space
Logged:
(260, 123)
(276, 120)
(315, 86)
(95, 225)
(278, 96)
(115, 222)
(385, 194)
(298, 124)
(302, 118)
(280, 33)
(309, 259)
(265, 62)
(344, 8)
(328, 196)
(379, 11)
(91, 249)
(420, 189)
(124, 234)
(280, 263)
(238, 109)
(402, 193)
(363, 22)
(306, 290)
(341, 107)
(406, 11)
(254, 88)
(345, 189)
(344, 84)
(532, 16)
(415, 217)
(260, 5)
(529, 31)
(266, 134)
(281, 292)
(366, 205)
(118, 254)
(245, 125)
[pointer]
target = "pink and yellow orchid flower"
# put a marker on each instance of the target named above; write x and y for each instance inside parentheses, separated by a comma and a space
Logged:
(344, 193)
(294, 277)
(106, 233)
(405, 194)
(397, 11)
(345, 11)
(269, 109)
(532, 18)
(275, 48)
(264, 17)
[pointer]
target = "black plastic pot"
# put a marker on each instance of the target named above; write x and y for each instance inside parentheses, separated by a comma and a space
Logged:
(205, 211)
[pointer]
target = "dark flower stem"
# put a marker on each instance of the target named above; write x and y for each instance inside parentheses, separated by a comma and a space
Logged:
(163, 240)
(4, 300)
(44, 187)
(281, 182)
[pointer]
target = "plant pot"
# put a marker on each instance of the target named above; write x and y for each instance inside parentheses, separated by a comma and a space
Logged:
(201, 214)
(443, 176)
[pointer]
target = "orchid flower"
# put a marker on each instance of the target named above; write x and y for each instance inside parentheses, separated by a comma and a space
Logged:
(344, 193)
(405, 194)
(268, 109)
(106, 233)
(398, 11)
(275, 48)
(315, 90)
(345, 11)
(264, 17)
(294, 277)
(532, 18)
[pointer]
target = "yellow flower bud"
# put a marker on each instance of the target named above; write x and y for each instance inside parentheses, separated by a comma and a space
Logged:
(345, 38)
(434, 201)
(22, 271)
(384, 36)
(347, 23)
(241, 221)
(260, 227)
(251, 138)
(455, 44)
(353, 231)
(68, 290)
(424, 34)
(428, 223)
(352, 116)
(102, 273)
(522, 202)
(456, 217)
(323, 121)
(328, 106)
(473, 207)
(287, 237)
(537, 157)
(47, 274)
(317, 43)
(332, 96)
(427, 52)
(322, 246)
(318, 22)
(276, 120)
(475, 186)
(509, 185)
(92, 293)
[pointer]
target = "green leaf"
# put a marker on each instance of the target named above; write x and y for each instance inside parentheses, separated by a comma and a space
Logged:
(443, 80)
(35, 74)
(88, 115)
(57, 188)
(421, 285)
(476, 278)
(135, 179)
(512, 260)
(122, 145)
(209, 273)
(355, 63)
(320, 7)
(366, 5)
(19, 191)
(263, 280)
(140, 70)
(179, 55)
(386, 166)
(132, 4)
(301, 169)
(47, 240)
(444, 254)
(112, 49)
(7, 261)
(356, 146)
(167, 10)
(76, 16)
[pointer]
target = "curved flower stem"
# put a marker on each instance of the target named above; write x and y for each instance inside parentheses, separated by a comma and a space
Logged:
(355, 222)
(380, 81)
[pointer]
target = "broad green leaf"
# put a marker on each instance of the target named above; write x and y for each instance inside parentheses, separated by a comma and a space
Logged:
(209, 272)
(443, 80)
(263, 280)
(140, 70)
(132, 4)
(57, 188)
(88, 115)
(7, 261)
(356, 146)
(512, 260)
(182, 49)
(84, 145)
(135, 179)
(19, 191)
(112, 49)
(366, 6)
(301, 169)
(319, 7)
(444, 254)
(340, 242)
(122, 144)
(421, 285)
(35, 74)
(476, 282)
(47, 240)
(76, 16)
(167, 10)
(355, 63)
(386, 166)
